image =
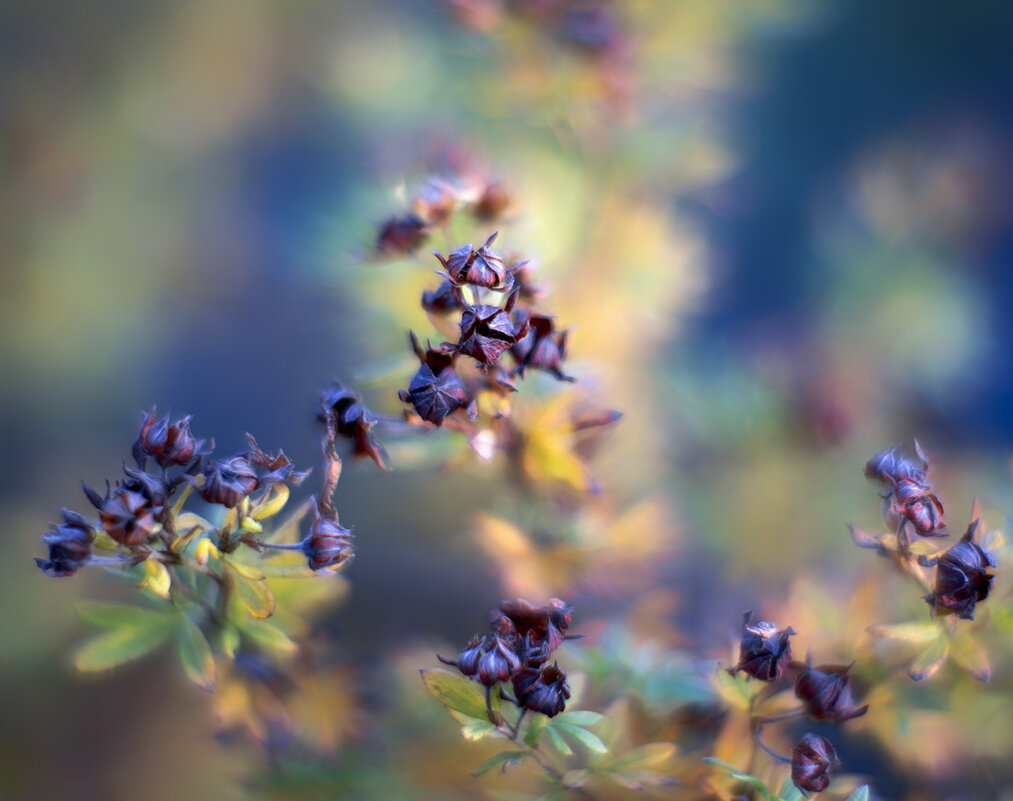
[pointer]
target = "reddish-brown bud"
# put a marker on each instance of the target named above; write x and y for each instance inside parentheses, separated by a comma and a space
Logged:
(764, 651)
(442, 300)
(436, 202)
(69, 545)
(487, 332)
(492, 203)
(166, 444)
(129, 517)
(436, 390)
(399, 236)
(343, 414)
(543, 690)
(962, 577)
(479, 267)
(328, 545)
(228, 481)
(813, 760)
(542, 348)
(826, 693)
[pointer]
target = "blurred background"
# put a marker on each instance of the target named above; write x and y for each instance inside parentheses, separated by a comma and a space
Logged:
(779, 230)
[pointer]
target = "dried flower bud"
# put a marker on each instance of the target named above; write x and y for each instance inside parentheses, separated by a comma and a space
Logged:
(442, 300)
(962, 579)
(343, 414)
(498, 662)
(542, 348)
(913, 503)
(436, 389)
(813, 760)
(541, 628)
(228, 481)
(436, 203)
(826, 693)
(479, 267)
(764, 651)
(129, 517)
(890, 467)
(399, 236)
(543, 690)
(328, 544)
(488, 331)
(492, 203)
(69, 545)
(167, 444)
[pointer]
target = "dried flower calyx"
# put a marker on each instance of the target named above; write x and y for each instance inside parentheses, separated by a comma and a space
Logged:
(908, 496)
(343, 415)
(517, 648)
(69, 545)
(166, 444)
(764, 650)
(962, 577)
(813, 760)
(436, 389)
(480, 268)
(826, 692)
(489, 331)
(542, 347)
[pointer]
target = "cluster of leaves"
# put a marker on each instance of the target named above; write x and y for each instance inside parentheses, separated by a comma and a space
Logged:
(196, 576)
(955, 579)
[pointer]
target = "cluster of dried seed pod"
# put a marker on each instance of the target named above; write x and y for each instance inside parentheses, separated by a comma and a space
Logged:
(516, 649)
(825, 693)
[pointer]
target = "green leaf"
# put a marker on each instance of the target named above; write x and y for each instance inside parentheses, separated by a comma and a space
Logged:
(507, 759)
(456, 692)
(557, 741)
(861, 794)
(472, 728)
(580, 718)
(929, 660)
(196, 656)
(587, 739)
(912, 631)
(230, 640)
(969, 653)
(254, 596)
(734, 773)
(641, 779)
(789, 792)
(121, 645)
(267, 636)
(536, 726)
(117, 615)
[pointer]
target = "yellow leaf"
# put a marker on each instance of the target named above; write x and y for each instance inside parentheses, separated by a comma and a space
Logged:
(246, 571)
(272, 504)
(254, 596)
(912, 631)
(969, 653)
(156, 578)
(929, 660)
(205, 551)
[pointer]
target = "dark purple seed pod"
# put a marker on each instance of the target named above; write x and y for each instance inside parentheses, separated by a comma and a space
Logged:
(228, 481)
(813, 760)
(544, 690)
(826, 693)
(962, 577)
(69, 545)
(764, 650)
